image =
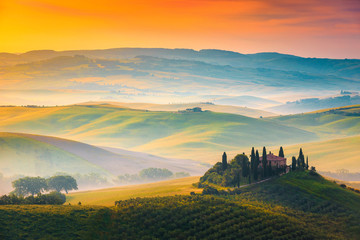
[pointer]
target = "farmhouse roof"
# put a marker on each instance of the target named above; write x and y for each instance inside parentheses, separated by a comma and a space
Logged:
(272, 157)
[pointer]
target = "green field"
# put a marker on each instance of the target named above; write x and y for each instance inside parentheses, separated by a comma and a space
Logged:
(107, 197)
(170, 134)
(298, 205)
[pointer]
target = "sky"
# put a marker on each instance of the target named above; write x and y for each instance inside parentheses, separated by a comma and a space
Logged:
(308, 28)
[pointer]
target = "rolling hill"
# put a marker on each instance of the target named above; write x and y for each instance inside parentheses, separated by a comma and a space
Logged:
(170, 75)
(315, 104)
(327, 123)
(170, 134)
(37, 155)
(245, 111)
(330, 155)
(21, 155)
(298, 205)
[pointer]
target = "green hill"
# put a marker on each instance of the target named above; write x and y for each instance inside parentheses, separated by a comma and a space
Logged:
(171, 134)
(328, 123)
(298, 205)
(21, 155)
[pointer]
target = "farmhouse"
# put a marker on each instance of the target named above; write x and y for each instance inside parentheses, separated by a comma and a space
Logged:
(274, 160)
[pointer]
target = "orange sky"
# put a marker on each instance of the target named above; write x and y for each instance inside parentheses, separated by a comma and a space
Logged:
(314, 28)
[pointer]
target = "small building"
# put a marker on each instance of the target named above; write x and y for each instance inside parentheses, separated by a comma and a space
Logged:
(274, 160)
(195, 109)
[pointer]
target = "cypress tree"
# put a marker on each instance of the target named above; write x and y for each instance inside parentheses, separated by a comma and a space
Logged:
(301, 159)
(252, 159)
(293, 165)
(256, 166)
(281, 152)
(224, 161)
(264, 161)
(307, 163)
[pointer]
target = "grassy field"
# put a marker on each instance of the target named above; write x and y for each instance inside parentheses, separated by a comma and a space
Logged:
(169, 134)
(107, 197)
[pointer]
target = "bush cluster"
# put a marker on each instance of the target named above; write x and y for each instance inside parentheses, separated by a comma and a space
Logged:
(53, 198)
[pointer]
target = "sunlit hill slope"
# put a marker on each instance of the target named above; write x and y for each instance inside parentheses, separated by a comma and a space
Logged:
(37, 155)
(171, 134)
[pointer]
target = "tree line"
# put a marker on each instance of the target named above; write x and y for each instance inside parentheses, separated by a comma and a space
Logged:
(34, 185)
(52, 198)
(150, 175)
(30, 190)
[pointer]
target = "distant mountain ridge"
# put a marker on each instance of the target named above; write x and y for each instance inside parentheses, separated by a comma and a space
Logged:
(314, 104)
(338, 67)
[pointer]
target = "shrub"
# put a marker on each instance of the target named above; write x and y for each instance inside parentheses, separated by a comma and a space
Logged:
(208, 190)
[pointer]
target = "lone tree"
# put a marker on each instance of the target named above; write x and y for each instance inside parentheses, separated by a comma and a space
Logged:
(29, 185)
(264, 161)
(281, 152)
(293, 165)
(224, 161)
(59, 183)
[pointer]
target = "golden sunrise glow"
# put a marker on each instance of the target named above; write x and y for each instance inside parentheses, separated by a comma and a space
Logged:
(307, 28)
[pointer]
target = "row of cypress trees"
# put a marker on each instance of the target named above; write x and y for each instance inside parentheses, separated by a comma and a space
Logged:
(266, 170)
(300, 163)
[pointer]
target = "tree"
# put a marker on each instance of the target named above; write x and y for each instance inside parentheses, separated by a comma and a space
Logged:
(307, 163)
(281, 152)
(256, 165)
(237, 167)
(301, 159)
(224, 161)
(29, 185)
(252, 160)
(264, 162)
(245, 167)
(293, 165)
(59, 183)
